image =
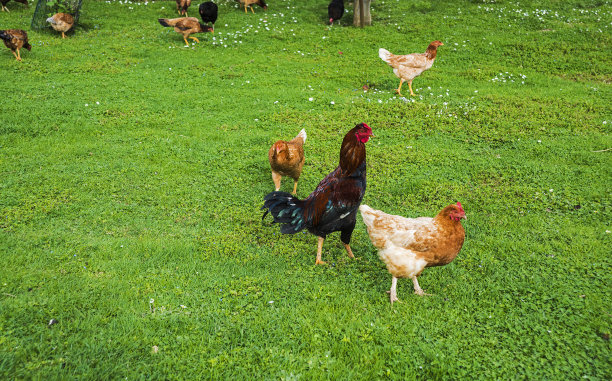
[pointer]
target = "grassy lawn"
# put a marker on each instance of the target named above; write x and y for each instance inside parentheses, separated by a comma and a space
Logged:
(132, 170)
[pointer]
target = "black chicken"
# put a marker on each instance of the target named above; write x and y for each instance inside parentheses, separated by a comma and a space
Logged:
(335, 10)
(209, 12)
(333, 205)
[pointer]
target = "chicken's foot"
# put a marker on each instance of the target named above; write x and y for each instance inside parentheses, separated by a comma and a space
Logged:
(319, 250)
(252, 9)
(63, 35)
(393, 292)
(399, 89)
(410, 87)
(18, 55)
(194, 38)
(348, 250)
(186, 42)
(294, 188)
(417, 289)
(276, 177)
(5, 9)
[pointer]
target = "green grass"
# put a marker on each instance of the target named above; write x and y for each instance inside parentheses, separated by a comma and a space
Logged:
(133, 169)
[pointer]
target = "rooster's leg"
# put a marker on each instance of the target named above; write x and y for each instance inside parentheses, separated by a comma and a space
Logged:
(276, 177)
(294, 187)
(319, 250)
(417, 289)
(410, 87)
(252, 9)
(393, 291)
(348, 250)
(18, 55)
(399, 89)
(194, 38)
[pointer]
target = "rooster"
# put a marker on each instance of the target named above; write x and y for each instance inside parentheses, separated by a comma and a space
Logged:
(186, 26)
(410, 66)
(4, 2)
(182, 6)
(287, 159)
(335, 10)
(15, 39)
(333, 205)
(408, 245)
(208, 12)
(249, 3)
(61, 22)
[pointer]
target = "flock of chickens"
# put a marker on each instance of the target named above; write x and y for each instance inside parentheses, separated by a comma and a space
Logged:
(406, 245)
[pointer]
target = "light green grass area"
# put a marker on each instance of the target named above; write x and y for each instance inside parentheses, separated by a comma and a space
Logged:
(132, 170)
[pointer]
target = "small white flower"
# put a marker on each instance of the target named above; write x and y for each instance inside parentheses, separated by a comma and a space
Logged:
(86, 105)
(271, 302)
(332, 102)
(151, 301)
(311, 99)
(183, 306)
(550, 190)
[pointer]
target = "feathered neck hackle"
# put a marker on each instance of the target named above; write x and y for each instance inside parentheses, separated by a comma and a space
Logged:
(352, 152)
(432, 51)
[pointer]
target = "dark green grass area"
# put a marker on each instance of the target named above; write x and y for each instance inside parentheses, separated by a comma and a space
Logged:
(132, 170)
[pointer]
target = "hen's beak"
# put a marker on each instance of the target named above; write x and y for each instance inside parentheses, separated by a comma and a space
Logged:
(464, 217)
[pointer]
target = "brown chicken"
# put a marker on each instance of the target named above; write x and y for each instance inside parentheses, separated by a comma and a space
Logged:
(182, 5)
(15, 39)
(4, 2)
(186, 26)
(249, 3)
(287, 159)
(410, 66)
(61, 22)
(408, 245)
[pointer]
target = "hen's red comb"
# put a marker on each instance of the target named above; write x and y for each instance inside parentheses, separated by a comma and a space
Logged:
(459, 205)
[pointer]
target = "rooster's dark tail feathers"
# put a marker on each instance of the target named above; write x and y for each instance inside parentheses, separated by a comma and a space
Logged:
(286, 210)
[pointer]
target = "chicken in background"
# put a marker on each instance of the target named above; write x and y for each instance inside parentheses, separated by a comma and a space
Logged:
(15, 39)
(61, 22)
(409, 245)
(186, 26)
(287, 159)
(249, 3)
(333, 204)
(208, 12)
(182, 6)
(4, 2)
(410, 66)
(335, 10)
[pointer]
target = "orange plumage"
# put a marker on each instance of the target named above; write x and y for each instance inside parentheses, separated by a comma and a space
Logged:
(287, 159)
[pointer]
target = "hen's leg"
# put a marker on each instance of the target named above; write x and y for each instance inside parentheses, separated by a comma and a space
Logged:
(276, 177)
(348, 250)
(417, 289)
(63, 35)
(393, 291)
(18, 55)
(410, 87)
(194, 38)
(399, 89)
(250, 6)
(245, 11)
(4, 8)
(294, 187)
(185, 38)
(319, 250)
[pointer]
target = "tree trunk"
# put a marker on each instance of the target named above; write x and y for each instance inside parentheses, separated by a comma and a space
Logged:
(367, 17)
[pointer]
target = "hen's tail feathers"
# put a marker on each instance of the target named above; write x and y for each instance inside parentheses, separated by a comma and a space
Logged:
(302, 135)
(384, 55)
(164, 22)
(286, 210)
(368, 214)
